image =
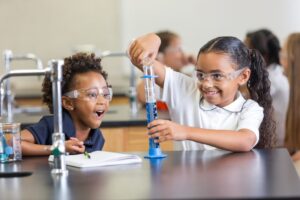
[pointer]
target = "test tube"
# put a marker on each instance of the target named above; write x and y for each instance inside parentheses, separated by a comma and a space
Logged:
(149, 81)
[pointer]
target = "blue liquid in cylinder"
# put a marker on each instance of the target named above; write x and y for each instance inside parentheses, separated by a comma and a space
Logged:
(152, 115)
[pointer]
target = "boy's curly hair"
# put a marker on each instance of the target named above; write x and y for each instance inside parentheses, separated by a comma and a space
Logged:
(75, 64)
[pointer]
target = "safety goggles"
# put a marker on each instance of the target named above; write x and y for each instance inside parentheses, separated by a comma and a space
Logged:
(91, 94)
(218, 77)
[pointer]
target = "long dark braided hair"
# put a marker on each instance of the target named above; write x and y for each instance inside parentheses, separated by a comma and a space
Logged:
(258, 84)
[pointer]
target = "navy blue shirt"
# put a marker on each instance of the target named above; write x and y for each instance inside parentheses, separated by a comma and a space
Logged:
(42, 132)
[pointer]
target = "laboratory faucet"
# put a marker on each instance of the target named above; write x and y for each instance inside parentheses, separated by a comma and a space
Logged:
(58, 137)
(132, 81)
(8, 58)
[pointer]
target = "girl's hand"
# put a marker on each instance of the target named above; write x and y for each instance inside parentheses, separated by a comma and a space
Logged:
(143, 47)
(166, 130)
(74, 146)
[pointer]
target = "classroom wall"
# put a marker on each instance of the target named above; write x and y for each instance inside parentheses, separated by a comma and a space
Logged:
(198, 21)
(52, 29)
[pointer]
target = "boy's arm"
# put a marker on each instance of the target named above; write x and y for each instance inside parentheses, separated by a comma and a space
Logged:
(147, 46)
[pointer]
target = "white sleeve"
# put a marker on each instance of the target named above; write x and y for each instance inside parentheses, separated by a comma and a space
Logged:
(251, 118)
(176, 86)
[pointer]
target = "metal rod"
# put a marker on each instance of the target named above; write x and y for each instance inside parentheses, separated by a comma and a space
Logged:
(58, 148)
(56, 79)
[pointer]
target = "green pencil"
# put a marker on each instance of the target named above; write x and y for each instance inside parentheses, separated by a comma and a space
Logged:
(86, 154)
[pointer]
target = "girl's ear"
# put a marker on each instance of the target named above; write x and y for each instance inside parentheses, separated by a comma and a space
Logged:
(244, 76)
(67, 103)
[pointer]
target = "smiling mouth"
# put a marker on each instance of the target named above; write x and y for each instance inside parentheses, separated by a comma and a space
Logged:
(210, 93)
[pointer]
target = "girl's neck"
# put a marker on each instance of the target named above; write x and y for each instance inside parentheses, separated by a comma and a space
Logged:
(82, 133)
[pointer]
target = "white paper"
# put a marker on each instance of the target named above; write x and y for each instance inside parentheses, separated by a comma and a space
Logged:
(100, 158)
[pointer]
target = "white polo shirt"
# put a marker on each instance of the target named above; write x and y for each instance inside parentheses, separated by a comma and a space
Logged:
(182, 95)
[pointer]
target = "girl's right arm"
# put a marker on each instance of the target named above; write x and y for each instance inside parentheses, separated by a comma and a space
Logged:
(29, 148)
(147, 46)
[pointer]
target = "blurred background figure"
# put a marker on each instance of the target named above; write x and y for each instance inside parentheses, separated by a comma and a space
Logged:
(172, 55)
(290, 59)
(269, 46)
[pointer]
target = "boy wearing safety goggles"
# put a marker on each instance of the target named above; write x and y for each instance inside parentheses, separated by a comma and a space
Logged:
(85, 99)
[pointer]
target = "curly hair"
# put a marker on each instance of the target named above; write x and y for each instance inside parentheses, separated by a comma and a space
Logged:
(75, 64)
(258, 83)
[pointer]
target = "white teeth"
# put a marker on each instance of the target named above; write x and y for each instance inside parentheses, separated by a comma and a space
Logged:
(211, 92)
(99, 112)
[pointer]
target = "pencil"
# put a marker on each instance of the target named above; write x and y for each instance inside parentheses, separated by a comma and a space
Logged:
(86, 154)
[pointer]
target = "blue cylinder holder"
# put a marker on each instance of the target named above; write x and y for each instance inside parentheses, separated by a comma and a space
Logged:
(154, 151)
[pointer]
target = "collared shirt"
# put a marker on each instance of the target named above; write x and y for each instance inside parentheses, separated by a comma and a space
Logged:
(187, 107)
(42, 132)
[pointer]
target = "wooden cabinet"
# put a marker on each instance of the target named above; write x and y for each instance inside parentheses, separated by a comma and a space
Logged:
(125, 139)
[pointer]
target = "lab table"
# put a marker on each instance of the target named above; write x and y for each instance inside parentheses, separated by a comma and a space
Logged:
(212, 174)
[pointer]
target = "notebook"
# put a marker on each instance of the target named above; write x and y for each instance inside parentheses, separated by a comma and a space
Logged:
(99, 159)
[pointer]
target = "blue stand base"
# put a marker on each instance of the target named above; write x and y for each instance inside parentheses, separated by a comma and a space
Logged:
(155, 153)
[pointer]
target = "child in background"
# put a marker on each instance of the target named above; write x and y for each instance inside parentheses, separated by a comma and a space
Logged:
(171, 54)
(290, 60)
(85, 100)
(210, 112)
(268, 45)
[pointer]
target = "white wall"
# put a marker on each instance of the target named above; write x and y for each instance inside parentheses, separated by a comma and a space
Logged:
(198, 21)
(52, 28)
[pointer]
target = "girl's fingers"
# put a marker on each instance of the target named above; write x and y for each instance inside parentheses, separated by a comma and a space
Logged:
(78, 149)
(156, 122)
(132, 48)
(161, 133)
(158, 128)
(162, 138)
(135, 53)
(76, 142)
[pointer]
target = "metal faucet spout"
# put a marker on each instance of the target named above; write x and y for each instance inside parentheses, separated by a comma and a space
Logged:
(14, 73)
(8, 58)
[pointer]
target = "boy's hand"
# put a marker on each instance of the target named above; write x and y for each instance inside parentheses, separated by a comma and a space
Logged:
(143, 47)
(166, 130)
(74, 146)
